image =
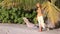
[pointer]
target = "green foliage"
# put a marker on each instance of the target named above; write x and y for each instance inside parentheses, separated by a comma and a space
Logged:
(12, 11)
(15, 15)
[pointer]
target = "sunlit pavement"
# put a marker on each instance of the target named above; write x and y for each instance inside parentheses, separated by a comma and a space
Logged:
(22, 29)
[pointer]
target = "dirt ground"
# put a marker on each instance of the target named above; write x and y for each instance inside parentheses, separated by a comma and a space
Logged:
(23, 29)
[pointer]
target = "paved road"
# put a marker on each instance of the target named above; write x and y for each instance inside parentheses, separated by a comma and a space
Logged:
(22, 29)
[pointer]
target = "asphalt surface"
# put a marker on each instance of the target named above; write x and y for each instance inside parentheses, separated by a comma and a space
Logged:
(23, 29)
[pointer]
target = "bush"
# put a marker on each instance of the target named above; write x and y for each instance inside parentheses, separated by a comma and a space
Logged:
(15, 15)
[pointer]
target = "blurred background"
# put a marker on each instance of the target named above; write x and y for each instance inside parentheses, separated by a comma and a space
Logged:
(12, 11)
